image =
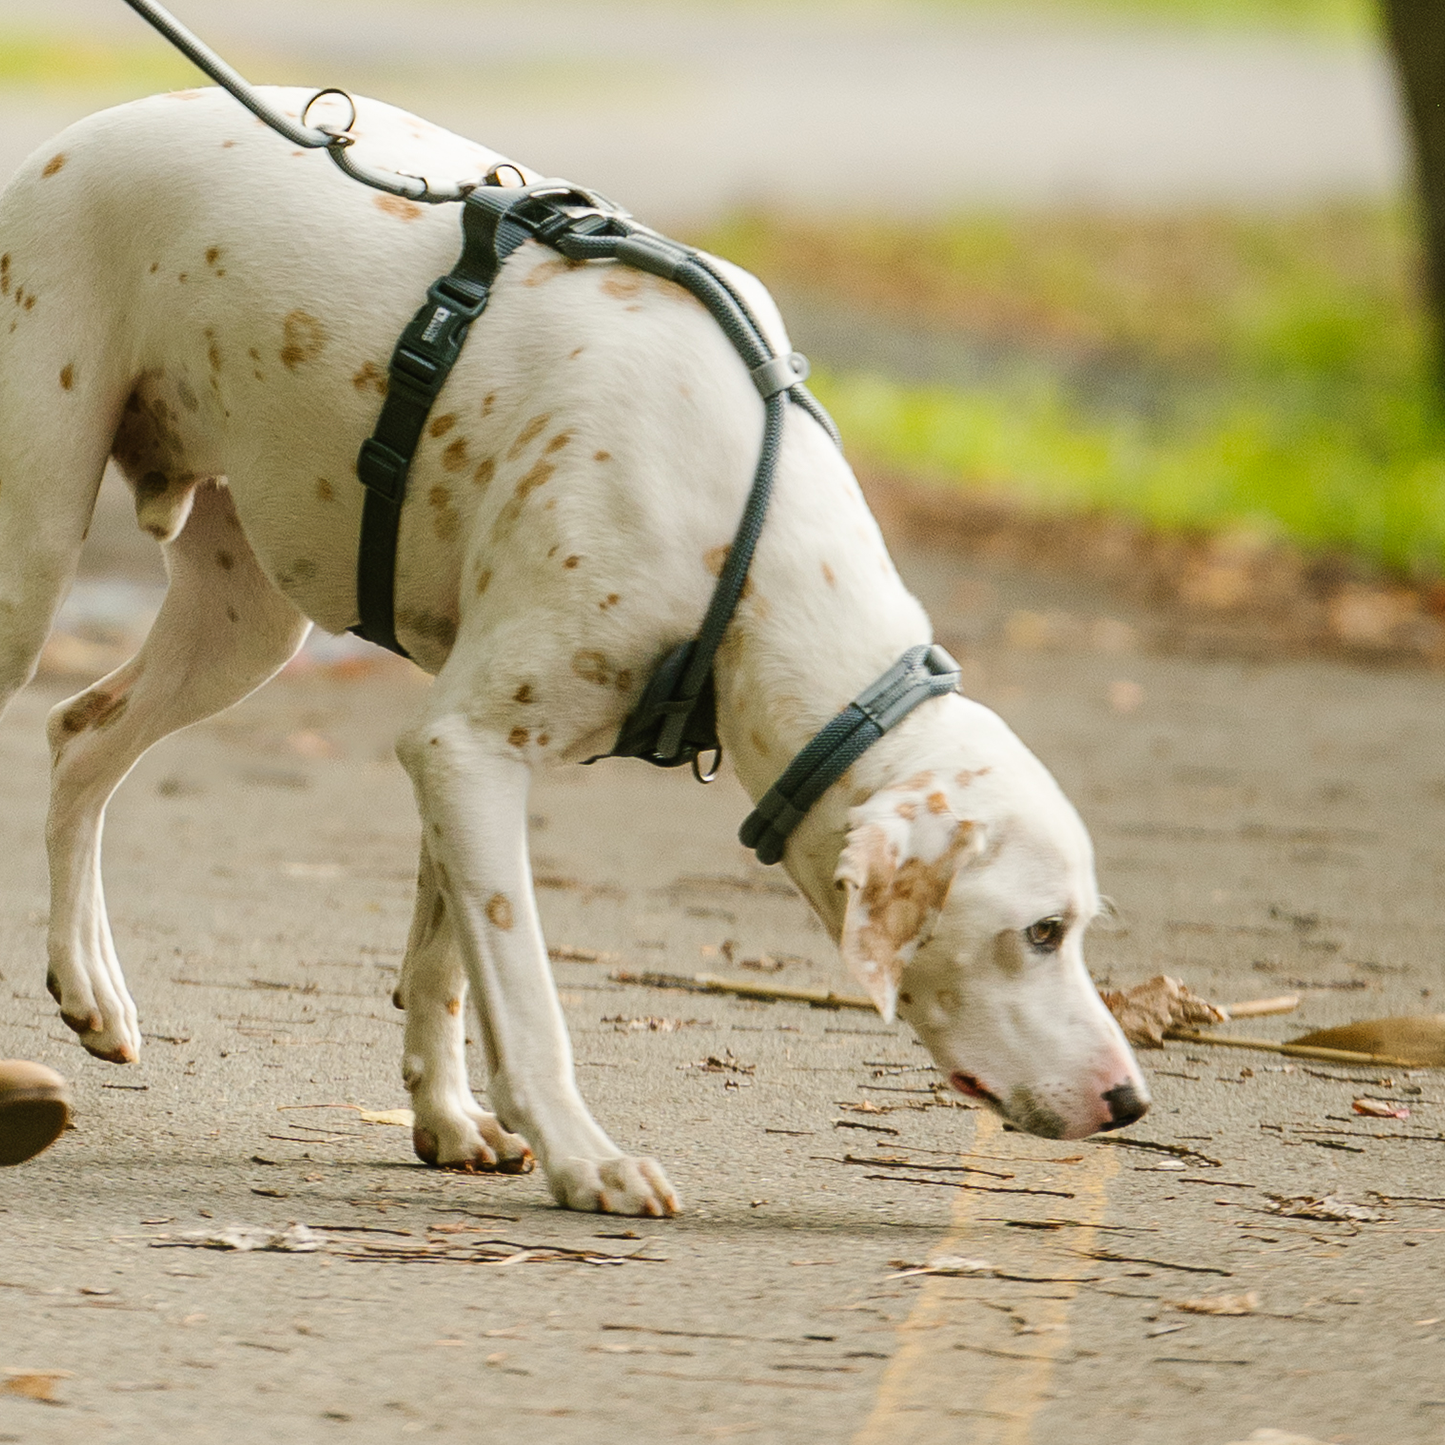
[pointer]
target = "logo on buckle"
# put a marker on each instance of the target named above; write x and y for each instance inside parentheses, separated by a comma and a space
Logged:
(439, 318)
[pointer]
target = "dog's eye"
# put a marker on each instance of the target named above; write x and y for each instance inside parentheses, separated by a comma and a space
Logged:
(1047, 934)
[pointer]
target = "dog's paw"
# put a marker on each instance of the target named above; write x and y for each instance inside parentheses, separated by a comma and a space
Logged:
(613, 1186)
(473, 1144)
(117, 1042)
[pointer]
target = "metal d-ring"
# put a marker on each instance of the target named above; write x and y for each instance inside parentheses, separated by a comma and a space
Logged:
(338, 133)
(713, 767)
(493, 175)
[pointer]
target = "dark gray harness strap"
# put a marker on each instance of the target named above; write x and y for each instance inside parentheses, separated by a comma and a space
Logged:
(921, 673)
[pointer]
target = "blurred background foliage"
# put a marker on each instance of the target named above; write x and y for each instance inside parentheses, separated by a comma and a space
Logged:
(1204, 369)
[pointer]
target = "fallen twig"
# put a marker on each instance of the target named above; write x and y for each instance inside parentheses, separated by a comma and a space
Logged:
(959, 1184)
(886, 1163)
(1179, 1151)
(1111, 1258)
(741, 988)
(1294, 1051)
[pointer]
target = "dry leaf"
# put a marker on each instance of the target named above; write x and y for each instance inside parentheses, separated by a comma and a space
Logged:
(401, 1117)
(1149, 1010)
(34, 1384)
(1380, 1109)
(953, 1266)
(295, 1239)
(1218, 1304)
(1419, 1040)
(1309, 1206)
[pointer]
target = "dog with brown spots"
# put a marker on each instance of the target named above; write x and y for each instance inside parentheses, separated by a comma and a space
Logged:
(185, 294)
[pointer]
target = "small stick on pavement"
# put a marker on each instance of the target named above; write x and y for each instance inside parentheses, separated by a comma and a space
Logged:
(1254, 1008)
(1294, 1051)
(742, 988)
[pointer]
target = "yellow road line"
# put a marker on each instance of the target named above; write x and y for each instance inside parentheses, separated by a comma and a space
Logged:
(1005, 1416)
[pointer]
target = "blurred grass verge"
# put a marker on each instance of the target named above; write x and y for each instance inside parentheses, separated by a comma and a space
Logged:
(1278, 368)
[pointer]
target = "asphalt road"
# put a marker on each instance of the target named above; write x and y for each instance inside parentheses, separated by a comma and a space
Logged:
(685, 111)
(1261, 827)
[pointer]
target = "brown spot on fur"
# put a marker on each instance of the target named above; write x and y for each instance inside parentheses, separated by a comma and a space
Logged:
(715, 558)
(519, 737)
(964, 778)
(29, 301)
(622, 282)
(454, 1006)
(67, 376)
(184, 277)
(895, 902)
(303, 338)
(92, 710)
(601, 456)
(499, 911)
(488, 402)
(570, 562)
(575, 353)
(486, 470)
(325, 492)
(155, 266)
(54, 165)
(213, 352)
(446, 521)
(224, 560)
(936, 803)
(611, 600)
(828, 576)
(759, 744)
(907, 810)
(441, 425)
(917, 782)
(624, 680)
(398, 206)
(370, 378)
(558, 442)
(543, 740)
(5, 274)
(188, 397)
(511, 513)
(544, 271)
(592, 666)
(227, 144)
(528, 434)
(232, 614)
(484, 578)
(523, 694)
(454, 458)
(213, 254)
(429, 625)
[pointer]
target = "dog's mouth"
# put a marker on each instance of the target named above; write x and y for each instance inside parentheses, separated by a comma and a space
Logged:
(969, 1086)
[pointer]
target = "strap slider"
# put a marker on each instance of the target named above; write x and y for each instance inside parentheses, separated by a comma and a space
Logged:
(381, 470)
(780, 373)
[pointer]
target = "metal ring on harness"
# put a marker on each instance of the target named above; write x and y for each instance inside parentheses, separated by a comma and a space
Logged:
(712, 768)
(338, 133)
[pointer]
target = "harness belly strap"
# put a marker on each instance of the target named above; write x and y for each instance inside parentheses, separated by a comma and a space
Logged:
(921, 673)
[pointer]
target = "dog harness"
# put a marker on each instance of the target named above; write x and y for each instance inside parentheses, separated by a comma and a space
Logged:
(675, 721)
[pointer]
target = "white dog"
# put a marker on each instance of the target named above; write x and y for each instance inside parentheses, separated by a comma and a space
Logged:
(182, 290)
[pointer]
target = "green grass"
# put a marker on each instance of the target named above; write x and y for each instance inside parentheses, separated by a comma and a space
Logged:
(42, 60)
(1285, 363)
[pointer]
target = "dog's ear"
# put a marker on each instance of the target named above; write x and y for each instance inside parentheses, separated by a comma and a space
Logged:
(903, 849)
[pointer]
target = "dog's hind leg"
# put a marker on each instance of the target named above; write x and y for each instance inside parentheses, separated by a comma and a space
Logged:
(222, 631)
(450, 1129)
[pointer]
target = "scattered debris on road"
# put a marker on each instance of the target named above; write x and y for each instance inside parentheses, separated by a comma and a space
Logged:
(1380, 1109)
(34, 1384)
(1217, 1304)
(1150, 1010)
(294, 1239)
(741, 988)
(1327, 1207)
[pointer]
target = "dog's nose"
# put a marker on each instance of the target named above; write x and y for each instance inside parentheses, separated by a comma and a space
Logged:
(1125, 1105)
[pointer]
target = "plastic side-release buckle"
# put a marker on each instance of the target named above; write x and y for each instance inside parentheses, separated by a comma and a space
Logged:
(780, 373)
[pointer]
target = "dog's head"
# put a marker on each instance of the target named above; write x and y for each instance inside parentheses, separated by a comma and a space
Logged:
(966, 895)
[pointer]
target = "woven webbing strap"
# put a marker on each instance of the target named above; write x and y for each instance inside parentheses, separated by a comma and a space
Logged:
(921, 673)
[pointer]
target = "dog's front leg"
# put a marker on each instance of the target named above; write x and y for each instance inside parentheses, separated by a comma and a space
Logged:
(450, 1129)
(471, 788)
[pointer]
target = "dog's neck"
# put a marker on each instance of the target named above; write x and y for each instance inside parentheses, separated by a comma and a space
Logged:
(824, 615)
